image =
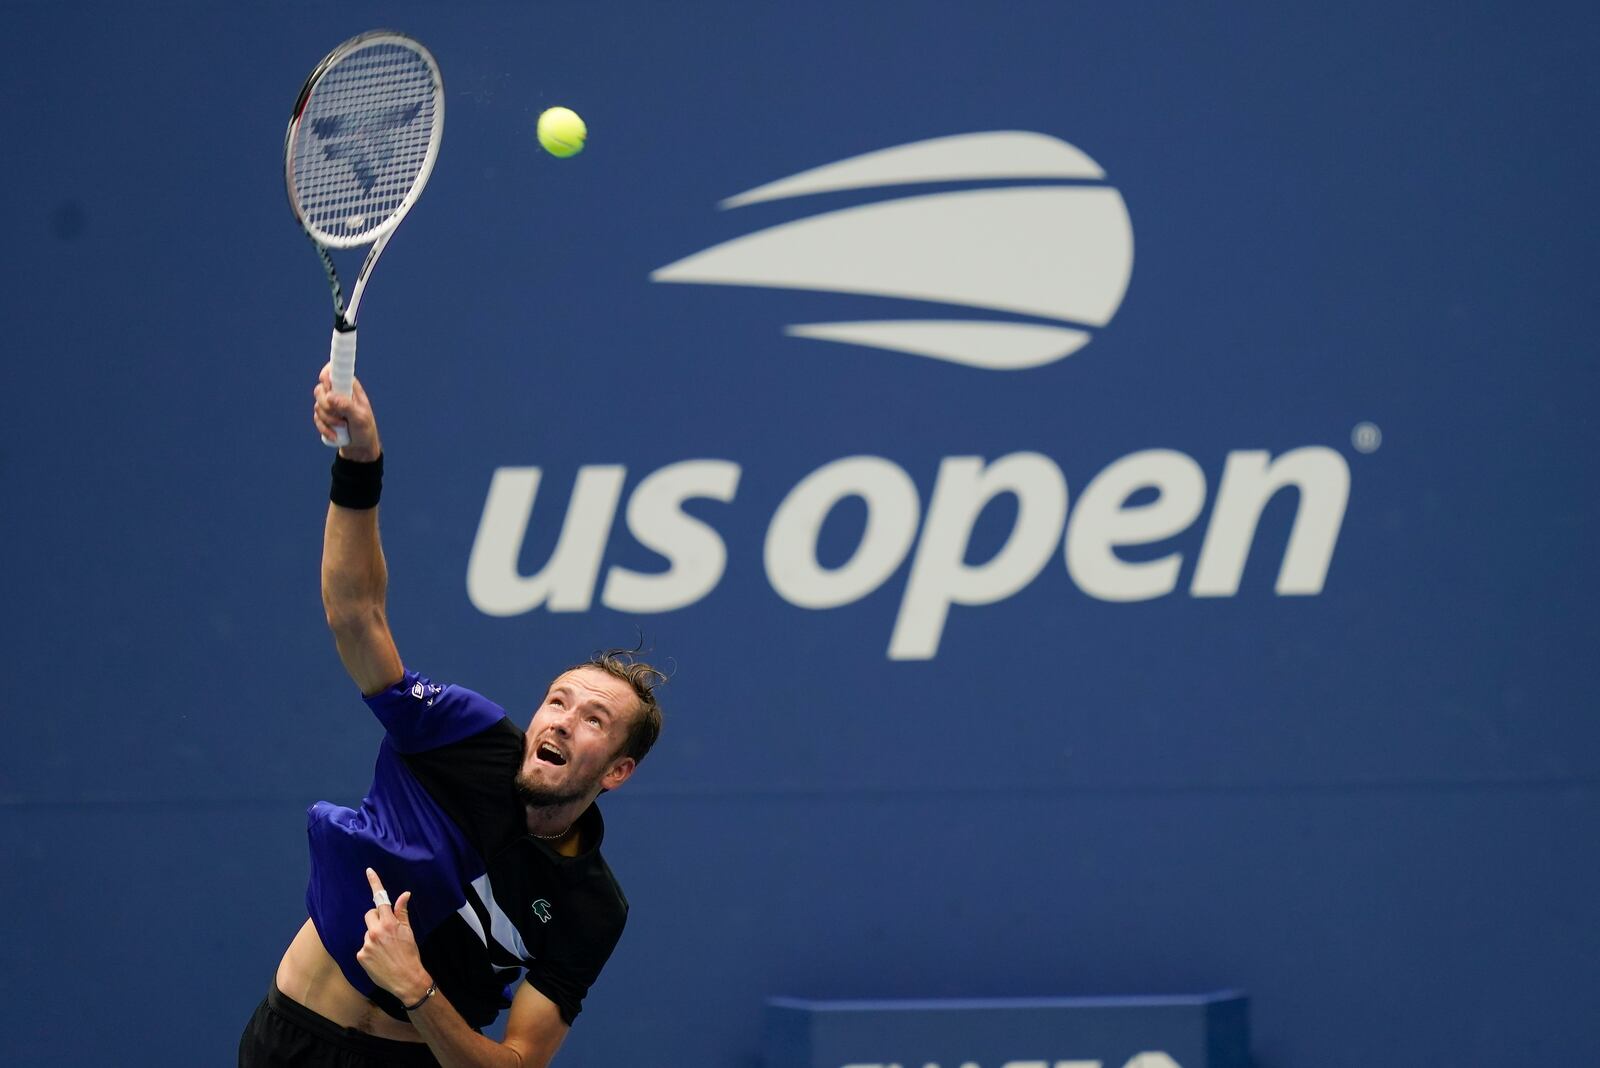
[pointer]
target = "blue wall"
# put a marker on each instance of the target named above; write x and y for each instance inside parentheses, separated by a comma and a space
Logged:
(1371, 802)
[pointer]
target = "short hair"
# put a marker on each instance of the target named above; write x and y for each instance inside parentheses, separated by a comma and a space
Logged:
(645, 726)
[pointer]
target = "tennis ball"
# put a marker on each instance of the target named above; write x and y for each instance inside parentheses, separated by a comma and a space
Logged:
(561, 132)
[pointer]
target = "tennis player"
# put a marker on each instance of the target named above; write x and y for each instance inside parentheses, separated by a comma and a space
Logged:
(486, 835)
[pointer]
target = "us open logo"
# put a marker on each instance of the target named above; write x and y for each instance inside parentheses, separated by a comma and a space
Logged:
(1058, 252)
(1030, 263)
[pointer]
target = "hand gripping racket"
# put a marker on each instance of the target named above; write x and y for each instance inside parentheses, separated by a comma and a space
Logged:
(360, 146)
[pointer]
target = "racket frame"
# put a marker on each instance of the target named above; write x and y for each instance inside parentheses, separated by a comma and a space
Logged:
(343, 345)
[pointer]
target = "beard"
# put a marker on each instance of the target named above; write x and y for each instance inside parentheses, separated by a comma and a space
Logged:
(536, 796)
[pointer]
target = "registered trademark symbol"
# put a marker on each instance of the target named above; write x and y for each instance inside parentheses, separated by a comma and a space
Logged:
(1366, 437)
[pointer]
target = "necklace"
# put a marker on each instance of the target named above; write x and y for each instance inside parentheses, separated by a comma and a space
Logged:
(553, 837)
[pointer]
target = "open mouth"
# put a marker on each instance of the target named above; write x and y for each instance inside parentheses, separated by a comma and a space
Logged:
(549, 754)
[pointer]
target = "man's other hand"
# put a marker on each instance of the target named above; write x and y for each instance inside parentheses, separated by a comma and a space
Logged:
(389, 954)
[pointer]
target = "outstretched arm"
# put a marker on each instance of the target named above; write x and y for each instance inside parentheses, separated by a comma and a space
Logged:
(355, 580)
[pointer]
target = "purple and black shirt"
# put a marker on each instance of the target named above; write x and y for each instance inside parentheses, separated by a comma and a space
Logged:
(489, 902)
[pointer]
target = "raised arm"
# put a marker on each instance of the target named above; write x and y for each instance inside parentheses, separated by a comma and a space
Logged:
(355, 580)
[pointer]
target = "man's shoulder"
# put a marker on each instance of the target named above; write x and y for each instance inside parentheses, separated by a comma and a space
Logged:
(497, 744)
(421, 714)
(606, 884)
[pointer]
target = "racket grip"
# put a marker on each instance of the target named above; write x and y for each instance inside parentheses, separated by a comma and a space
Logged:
(342, 370)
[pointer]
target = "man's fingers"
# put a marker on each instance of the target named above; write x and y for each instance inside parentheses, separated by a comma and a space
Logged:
(324, 393)
(325, 422)
(380, 896)
(402, 908)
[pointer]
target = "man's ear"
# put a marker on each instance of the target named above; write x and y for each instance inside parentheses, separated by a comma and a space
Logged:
(618, 773)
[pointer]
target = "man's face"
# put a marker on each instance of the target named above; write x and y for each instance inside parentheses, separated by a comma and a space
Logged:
(574, 738)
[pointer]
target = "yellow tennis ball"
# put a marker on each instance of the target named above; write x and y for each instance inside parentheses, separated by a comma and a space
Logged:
(561, 132)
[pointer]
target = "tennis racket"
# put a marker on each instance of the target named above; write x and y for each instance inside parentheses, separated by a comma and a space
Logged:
(361, 144)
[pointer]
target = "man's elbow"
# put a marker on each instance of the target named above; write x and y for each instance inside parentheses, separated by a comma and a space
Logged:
(351, 619)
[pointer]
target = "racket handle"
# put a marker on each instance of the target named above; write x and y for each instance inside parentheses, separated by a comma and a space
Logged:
(342, 365)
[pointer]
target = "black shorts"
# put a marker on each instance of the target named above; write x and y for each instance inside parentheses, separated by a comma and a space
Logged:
(285, 1033)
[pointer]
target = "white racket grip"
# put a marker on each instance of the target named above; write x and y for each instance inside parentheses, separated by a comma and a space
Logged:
(342, 370)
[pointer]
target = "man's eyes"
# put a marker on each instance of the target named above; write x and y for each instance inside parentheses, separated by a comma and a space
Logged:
(556, 702)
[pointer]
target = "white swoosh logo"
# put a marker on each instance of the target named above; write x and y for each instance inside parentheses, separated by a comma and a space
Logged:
(1063, 253)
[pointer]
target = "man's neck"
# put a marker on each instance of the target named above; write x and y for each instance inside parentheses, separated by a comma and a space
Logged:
(557, 827)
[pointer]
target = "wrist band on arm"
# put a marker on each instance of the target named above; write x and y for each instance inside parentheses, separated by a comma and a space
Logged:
(432, 990)
(356, 485)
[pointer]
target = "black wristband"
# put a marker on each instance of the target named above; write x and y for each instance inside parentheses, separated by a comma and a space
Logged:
(432, 990)
(356, 484)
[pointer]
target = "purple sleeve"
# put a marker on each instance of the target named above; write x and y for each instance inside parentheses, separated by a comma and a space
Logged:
(420, 714)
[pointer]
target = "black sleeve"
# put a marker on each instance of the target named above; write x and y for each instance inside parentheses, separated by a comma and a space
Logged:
(566, 972)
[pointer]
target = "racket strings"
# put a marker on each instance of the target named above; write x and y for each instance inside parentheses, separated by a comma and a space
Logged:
(363, 140)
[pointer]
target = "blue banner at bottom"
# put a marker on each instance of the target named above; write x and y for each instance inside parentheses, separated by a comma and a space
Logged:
(1200, 1031)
